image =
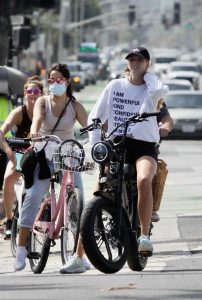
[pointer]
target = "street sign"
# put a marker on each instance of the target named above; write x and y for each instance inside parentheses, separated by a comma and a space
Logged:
(17, 20)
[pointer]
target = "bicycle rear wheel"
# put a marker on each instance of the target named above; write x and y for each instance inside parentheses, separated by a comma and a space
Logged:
(136, 261)
(105, 248)
(38, 251)
(14, 231)
(70, 232)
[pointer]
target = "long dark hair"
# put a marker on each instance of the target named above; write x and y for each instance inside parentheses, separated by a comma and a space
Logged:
(63, 69)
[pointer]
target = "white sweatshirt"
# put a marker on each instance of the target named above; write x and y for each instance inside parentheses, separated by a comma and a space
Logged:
(121, 99)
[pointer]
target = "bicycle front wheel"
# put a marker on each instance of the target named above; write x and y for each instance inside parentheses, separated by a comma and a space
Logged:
(105, 248)
(70, 231)
(38, 251)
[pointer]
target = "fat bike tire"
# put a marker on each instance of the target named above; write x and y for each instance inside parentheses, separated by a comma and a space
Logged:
(105, 248)
(135, 260)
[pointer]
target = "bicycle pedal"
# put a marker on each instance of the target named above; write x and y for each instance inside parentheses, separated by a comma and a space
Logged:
(33, 255)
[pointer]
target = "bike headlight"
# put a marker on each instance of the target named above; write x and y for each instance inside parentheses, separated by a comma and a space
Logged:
(102, 152)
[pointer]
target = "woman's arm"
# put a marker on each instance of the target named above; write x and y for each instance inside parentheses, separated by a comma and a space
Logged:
(5, 147)
(13, 119)
(81, 114)
(38, 116)
(99, 110)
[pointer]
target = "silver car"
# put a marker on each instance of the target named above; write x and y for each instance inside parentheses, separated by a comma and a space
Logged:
(185, 108)
(178, 84)
(185, 70)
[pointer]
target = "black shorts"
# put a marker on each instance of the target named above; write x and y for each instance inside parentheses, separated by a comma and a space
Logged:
(136, 149)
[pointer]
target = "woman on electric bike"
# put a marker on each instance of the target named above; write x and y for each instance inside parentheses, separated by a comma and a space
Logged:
(138, 93)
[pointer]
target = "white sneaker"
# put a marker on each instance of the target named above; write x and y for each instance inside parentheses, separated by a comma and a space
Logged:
(21, 255)
(74, 265)
(86, 263)
(145, 245)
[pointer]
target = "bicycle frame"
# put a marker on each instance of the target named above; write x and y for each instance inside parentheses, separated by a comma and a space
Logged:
(58, 208)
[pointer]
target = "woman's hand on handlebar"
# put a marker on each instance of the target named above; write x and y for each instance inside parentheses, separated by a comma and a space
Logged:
(94, 125)
(163, 130)
(35, 135)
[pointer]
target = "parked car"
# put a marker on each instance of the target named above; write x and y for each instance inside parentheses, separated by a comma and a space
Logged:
(185, 70)
(185, 108)
(78, 75)
(178, 84)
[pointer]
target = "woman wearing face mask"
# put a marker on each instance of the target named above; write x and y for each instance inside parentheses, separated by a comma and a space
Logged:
(46, 113)
(19, 119)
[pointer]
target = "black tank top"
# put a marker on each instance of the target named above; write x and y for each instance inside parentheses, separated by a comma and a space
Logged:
(24, 128)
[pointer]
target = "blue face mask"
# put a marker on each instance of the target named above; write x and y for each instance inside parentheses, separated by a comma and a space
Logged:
(57, 89)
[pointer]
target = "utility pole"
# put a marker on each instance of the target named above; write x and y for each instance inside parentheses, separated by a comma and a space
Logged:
(64, 18)
(5, 33)
(81, 17)
(61, 31)
(49, 41)
(76, 19)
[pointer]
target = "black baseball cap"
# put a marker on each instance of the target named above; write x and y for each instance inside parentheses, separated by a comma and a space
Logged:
(139, 51)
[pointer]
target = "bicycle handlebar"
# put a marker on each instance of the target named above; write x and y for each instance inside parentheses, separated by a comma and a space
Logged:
(94, 125)
(141, 117)
(18, 142)
(135, 118)
(25, 142)
(50, 137)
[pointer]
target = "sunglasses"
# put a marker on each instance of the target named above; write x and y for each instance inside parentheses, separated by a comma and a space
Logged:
(58, 80)
(35, 91)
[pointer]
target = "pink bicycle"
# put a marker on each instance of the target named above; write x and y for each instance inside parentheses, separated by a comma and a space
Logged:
(60, 212)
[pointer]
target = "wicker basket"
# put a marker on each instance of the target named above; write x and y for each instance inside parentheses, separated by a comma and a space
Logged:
(159, 183)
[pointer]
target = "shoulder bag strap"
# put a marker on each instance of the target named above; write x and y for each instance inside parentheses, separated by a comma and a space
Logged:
(58, 120)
